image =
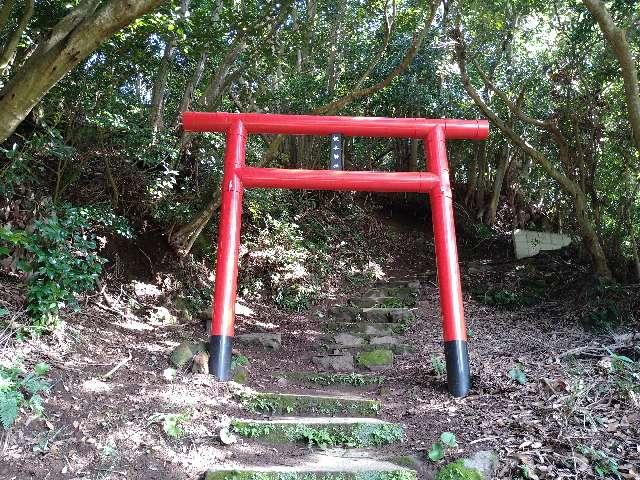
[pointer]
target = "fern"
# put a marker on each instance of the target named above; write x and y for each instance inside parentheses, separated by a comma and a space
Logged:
(34, 385)
(9, 402)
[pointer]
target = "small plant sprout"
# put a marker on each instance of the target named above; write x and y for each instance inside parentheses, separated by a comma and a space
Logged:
(438, 449)
(438, 365)
(517, 374)
(172, 423)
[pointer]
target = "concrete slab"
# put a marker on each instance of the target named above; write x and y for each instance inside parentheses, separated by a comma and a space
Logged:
(528, 243)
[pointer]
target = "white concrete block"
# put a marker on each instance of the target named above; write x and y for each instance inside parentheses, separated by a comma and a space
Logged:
(528, 243)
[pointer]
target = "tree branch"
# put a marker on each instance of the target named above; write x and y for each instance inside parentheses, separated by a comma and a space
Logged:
(16, 35)
(5, 12)
(617, 39)
(502, 125)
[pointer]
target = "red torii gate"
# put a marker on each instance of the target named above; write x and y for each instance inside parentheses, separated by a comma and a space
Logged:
(237, 176)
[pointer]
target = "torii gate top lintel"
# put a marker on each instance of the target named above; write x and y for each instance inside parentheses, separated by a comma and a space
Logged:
(327, 125)
(435, 182)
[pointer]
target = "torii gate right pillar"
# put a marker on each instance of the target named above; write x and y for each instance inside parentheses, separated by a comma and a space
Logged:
(444, 233)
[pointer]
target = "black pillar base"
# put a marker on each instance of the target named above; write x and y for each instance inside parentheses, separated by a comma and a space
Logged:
(458, 374)
(220, 347)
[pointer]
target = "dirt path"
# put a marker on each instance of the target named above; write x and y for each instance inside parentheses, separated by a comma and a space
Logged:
(572, 417)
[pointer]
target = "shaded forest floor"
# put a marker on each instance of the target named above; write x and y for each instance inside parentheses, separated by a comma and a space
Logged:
(574, 415)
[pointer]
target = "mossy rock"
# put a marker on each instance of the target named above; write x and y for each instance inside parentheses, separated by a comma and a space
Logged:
(184, 353)
(239, 373)
(286, 403)
(458, 471)
(388, 315)
(375, 359)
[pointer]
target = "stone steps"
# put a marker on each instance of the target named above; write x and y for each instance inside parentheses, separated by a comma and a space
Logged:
(343, 360)
(363, 334)
(320, 466)
(293, 403)
(320, 432)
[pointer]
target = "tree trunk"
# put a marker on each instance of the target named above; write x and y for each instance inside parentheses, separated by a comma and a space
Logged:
(472, 181)
(71, 40)
(413, 158)
(331, 74)
(187, 95)
(159, 92)
(590, 237)
(501, 169)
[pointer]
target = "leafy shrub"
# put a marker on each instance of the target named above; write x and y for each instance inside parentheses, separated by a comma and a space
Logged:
(19, 388)
(438, 365)
(625, 373)
(506, 298)
(58, 254)
(603, 465)
(604, 319)
(292, 263)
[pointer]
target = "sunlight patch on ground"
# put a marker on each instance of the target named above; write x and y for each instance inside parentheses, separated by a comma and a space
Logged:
(93, 385)
(131, 324)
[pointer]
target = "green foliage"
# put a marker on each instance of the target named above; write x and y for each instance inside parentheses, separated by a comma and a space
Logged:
(291, 261)
(603, 465)
(517, 374)
(625, 373)
(438, 449)
(19, 388)
(603, 319)
(357, 436)
(354, 379)
(59, 255)
(436, 452)
(239, 361)
(375, 358)
(457, 471)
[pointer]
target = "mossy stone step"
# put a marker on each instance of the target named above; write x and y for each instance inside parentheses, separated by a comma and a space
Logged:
(344, 313)
(363, 343)
(375, 301)
(321, 431)
(392, 315)
(316, 467)
(412, 283)
(350, 314)
(291, 403)
(328, 379)
(367, 328)
(397, 348)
